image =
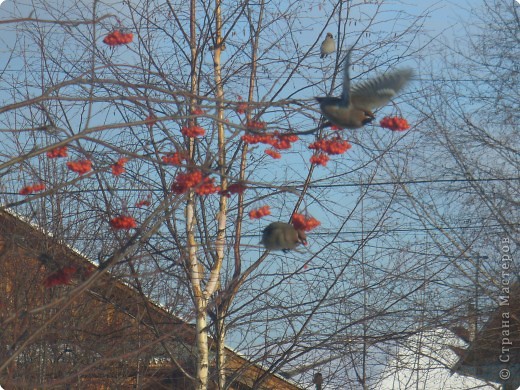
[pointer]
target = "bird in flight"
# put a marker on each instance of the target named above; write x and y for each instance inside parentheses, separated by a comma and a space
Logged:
(354, 108)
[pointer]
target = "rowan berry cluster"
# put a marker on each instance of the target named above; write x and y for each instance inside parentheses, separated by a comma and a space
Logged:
(276, 140)
(193, 131)
(256, 125)
(117, 37)
(207, 187)
(194, 179)
(60, 151)
(235, 188)
(273, 153)
(174, 159)
(119, 167)
(142, 203)
(394, 123)
(32, 189)
(60, 278)
(331, 146)
(241, 108)
(319, 159)
(80, 167)
(260, 212)
(301, 222)
(186, 180)
(123, 222)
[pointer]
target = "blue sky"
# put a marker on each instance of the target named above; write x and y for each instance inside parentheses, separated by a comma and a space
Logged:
(445, 13)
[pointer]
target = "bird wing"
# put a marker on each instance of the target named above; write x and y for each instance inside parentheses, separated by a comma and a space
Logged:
(324, 44)
(378, 91)
(345, 95)
(267, 233)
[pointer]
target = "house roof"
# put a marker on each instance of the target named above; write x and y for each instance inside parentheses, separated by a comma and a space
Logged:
(36, 248)
(496, 346)
(458, 358)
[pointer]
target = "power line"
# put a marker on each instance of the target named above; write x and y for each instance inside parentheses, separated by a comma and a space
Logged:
(444, 80)
(420, 229)
(331, 185)
(414, 182)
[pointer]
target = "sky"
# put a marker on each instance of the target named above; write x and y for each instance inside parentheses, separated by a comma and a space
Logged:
(444, 15)
(444, 19)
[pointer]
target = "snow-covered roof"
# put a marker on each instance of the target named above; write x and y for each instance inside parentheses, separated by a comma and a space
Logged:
(424, 362)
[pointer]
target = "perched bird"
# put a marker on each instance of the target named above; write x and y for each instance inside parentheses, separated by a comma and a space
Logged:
(328, 46)
(354, 108)
(282, 236)
(318, 380)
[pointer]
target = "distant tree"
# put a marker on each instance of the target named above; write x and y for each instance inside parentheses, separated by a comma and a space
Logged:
(471, 121)
(463, 186)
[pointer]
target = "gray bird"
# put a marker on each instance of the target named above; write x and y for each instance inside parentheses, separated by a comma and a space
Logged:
(328, 46)
(282, 236)
(318, 380)
(354, 108)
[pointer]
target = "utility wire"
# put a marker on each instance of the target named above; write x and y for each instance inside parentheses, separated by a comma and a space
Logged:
(340, 185)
